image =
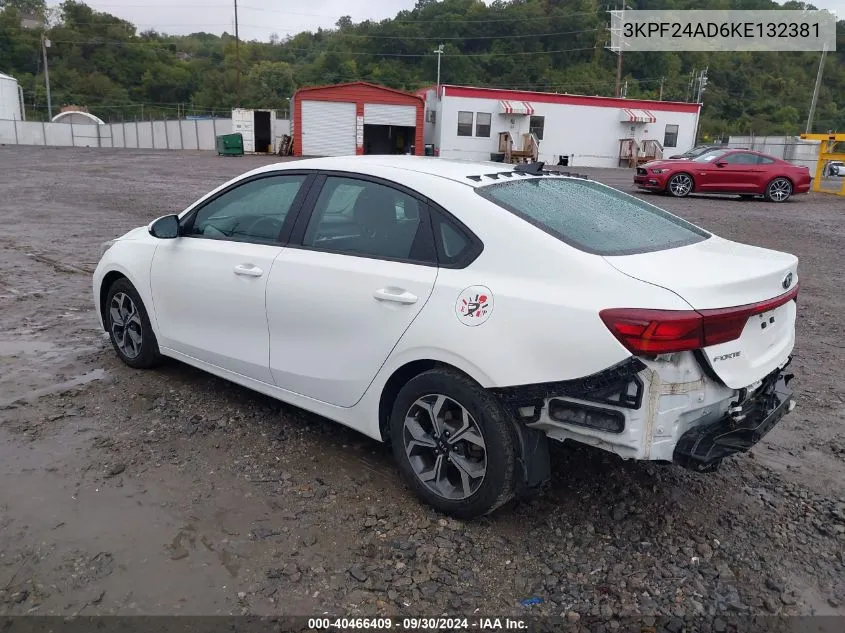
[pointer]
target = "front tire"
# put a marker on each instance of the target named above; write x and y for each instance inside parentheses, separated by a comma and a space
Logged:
(454, 444)
(129, 326)
(779, 190)
(680, 185)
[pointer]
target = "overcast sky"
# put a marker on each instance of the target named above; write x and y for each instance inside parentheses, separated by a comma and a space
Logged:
(259, 18)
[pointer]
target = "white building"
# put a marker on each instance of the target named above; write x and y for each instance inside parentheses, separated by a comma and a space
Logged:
(11, 99)
(476, 123)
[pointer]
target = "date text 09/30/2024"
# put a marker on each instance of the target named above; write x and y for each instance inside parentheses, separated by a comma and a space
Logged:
(417, 624)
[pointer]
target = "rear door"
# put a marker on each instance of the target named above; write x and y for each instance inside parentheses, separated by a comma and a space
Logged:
(357, 272)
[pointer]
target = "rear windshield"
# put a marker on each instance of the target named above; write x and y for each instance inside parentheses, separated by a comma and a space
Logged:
(592, 217)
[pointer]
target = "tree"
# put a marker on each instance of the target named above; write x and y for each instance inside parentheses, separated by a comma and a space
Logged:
(268, 85)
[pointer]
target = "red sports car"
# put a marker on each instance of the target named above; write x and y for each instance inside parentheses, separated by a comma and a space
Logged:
(743, 172)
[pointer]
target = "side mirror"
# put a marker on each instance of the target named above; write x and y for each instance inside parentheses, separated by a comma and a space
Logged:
(165, 228)
(721, 163)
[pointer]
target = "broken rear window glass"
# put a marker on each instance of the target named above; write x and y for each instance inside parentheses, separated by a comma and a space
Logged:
(593, 217)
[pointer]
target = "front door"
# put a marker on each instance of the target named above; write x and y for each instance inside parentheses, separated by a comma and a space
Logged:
(735, 172)
(338, 304)
(208, 285)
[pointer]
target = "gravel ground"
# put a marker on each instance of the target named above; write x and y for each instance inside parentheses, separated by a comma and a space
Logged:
(173, 492)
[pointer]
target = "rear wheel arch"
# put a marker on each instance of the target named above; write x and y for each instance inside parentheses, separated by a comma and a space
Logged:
(398, 379)
(766, 189)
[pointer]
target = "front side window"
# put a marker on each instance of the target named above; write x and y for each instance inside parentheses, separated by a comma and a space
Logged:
(593, 217)
(252, 212)
(670, 136)
(709, 157)
(464, 123)
(482, 124)
(359, 217)
(536, 125)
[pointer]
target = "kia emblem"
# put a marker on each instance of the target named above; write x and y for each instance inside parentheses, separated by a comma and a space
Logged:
(787, 281)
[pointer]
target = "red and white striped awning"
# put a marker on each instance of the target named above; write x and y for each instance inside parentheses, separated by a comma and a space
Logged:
(515, 107)
(628, 115)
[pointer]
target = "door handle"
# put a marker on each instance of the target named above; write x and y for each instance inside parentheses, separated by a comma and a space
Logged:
(248, 270)
(396, 295)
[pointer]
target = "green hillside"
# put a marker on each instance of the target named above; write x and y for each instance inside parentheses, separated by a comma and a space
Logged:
(102, 62)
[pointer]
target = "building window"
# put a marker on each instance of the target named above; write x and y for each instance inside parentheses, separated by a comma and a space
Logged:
(431, 116)
(464, 123)
(536, 125)
(482, 124)
(670, 138)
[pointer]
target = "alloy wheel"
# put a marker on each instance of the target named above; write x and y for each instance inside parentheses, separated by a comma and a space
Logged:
(126, 325)
(680, 185)
(780, 189)
(445, 446)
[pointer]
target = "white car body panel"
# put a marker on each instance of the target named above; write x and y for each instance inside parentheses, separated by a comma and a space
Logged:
(199, 297)
(309, 331)
(322, 313)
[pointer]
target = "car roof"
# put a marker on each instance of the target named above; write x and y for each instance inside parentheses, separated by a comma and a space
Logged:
(464, 172)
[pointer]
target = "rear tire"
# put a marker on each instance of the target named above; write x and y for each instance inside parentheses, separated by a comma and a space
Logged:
(454, 444)
(680, 185)
(779, 190)
(129, 326)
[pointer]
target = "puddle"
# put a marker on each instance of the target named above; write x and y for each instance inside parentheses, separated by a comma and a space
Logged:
(78, 381)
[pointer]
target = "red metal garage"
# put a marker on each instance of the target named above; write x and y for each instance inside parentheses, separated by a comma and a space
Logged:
(356, 118)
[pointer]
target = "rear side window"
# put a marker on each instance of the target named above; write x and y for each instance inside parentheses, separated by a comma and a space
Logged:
(592, 217)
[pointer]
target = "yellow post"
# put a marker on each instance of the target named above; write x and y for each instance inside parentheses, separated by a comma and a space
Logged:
(826, 153)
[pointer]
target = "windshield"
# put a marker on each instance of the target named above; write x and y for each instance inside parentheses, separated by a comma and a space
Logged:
(709, 156)
(592, 217)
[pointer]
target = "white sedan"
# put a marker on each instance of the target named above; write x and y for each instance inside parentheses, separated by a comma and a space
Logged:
(465, 313)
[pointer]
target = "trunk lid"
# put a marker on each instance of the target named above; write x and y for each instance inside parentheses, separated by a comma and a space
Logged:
(715, 274)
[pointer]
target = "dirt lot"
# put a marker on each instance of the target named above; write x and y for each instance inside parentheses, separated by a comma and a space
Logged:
(170, 491)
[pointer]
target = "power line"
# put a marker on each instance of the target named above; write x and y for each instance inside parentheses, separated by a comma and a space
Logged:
(206, 6)
(315, 50)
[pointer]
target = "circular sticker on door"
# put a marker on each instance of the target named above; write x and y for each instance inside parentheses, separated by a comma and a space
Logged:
(474, 305)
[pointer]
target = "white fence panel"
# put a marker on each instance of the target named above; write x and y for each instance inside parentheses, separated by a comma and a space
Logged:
(190, 134)
(207, 132)
(8, 133)
(145, 134)
(30, 133)
(159, 134)
(118, 135)
(59, 134)
(173, 134)
(84, 135)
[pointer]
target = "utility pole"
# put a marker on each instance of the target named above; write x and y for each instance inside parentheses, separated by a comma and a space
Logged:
(237, 59)
(45, 44)
(816, 91)
(614, 15)
(702, 85)
(662, 79)
(439, 53)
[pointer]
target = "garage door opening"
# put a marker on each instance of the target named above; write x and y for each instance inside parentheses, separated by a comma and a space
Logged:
(388, 139)
(263, 131)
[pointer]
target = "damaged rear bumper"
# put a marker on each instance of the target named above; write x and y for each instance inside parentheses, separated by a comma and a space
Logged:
(666, 409)
(703, 447)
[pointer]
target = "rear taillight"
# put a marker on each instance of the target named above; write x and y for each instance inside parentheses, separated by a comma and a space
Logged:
(651, 332)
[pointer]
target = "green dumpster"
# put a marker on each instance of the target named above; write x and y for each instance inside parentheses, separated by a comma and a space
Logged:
(230, 145)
